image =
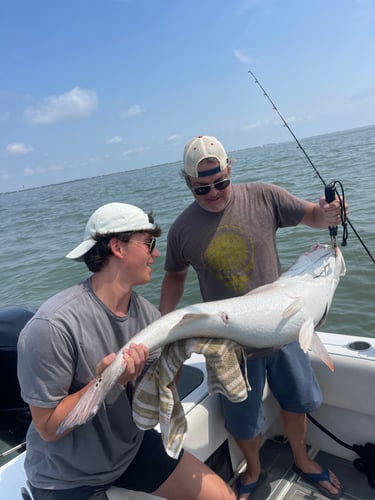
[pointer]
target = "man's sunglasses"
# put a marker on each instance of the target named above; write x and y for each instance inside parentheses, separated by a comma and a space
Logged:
(219, 185)
(151, 243)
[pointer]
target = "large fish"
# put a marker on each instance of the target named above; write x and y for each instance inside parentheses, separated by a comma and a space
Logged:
(272, 315)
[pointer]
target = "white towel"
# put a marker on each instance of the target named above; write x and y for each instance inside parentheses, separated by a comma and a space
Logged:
(156, 398)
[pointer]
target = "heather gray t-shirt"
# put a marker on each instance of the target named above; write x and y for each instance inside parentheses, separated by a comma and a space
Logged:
(58, 351)
(233, 251)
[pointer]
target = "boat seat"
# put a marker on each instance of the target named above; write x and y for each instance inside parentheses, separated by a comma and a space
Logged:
(12, 320)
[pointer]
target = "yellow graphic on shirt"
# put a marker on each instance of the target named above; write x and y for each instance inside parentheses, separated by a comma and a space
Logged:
(230, 257)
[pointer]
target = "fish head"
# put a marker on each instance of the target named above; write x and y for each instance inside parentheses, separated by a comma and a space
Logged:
(327, 260)
(320, 269)
(320, 260)
(329, 267)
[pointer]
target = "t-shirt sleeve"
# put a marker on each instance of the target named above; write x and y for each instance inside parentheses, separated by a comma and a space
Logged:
(45, 364)
(289, 208)
(174, 260)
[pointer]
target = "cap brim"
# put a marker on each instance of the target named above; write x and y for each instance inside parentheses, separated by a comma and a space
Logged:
(79, 251)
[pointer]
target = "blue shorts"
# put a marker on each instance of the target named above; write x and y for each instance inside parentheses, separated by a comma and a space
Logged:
(291, 380)
(149, 469)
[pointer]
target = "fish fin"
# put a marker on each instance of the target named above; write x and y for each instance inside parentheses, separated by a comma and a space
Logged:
(187, 323)
(306, 334)
(186, 319)
(320, 350)
(293, 308)
(194, 316)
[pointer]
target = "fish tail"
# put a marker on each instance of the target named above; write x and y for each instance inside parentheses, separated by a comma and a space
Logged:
(90, 402)
(85, 409)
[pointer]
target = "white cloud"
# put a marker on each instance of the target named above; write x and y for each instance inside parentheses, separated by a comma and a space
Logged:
(243, 57)
(266, 123)
(293, 119)
(53, 167)
(139, 149)
(256, 125)
(33, 171)
(75, 103)
(19, 148)
(172, 137)
(134, 110)
(114, 140)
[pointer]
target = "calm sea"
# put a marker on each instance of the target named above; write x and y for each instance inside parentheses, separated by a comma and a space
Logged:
(39, 226)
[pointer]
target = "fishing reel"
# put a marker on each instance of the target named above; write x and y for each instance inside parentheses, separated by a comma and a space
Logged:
(330, 192)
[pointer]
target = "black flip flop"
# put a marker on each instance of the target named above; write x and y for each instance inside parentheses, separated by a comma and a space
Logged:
(242, 489)
(315, 480)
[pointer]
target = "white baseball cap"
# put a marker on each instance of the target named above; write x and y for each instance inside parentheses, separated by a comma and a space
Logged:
(108, 219)
(200, 148)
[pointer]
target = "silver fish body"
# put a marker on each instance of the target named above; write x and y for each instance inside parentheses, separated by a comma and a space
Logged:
(272, 315)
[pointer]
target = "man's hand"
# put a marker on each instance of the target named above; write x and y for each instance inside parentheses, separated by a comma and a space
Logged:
(135, 357)
(331, 211)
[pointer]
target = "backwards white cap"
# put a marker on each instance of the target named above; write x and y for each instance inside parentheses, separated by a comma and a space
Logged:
(200, 148)
(108, 219)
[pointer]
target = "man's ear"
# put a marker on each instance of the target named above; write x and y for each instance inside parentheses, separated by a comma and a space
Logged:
(116, 248)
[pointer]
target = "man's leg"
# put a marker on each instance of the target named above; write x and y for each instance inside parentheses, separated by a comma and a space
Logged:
(294, 384)
(245, 420)
(294, 425)
(191, 480)
(250, 449)
(184, 478)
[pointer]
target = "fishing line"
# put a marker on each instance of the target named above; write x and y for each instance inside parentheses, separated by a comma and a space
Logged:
(330, 188)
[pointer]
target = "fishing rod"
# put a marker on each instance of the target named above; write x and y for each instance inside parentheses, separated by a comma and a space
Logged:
(330, 188)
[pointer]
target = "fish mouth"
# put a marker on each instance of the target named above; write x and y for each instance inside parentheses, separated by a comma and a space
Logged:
(342, 261)
(323, 318)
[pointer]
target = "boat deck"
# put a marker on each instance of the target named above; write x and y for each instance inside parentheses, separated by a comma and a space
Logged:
(283, 483)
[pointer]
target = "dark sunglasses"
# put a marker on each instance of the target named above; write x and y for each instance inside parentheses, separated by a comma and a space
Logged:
(219, 185)
(151, 244)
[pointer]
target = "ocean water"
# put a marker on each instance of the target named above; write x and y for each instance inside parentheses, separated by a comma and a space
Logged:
(39, 226)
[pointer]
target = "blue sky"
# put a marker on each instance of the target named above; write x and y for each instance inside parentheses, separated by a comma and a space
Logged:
(90, 87)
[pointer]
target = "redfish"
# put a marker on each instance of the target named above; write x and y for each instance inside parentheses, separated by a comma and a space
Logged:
(272, 315)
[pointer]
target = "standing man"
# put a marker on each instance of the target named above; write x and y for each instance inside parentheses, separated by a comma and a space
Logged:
(228, 235)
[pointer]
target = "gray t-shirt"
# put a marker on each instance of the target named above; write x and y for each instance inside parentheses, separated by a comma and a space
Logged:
(58, 351)
(233, 251)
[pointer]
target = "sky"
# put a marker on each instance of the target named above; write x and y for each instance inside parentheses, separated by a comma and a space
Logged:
(92, 87)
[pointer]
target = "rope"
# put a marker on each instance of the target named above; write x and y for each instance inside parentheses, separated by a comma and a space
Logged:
(366, 463)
